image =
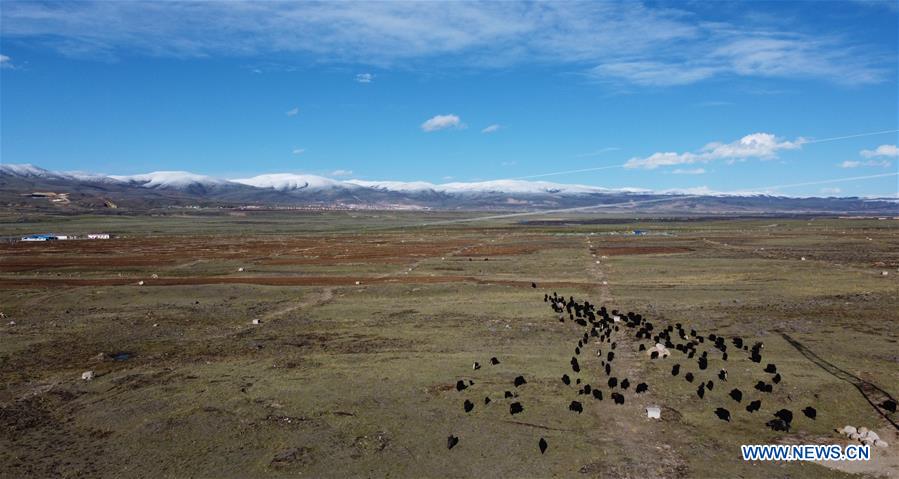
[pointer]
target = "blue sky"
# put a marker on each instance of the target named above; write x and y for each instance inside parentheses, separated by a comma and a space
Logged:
(662, 92)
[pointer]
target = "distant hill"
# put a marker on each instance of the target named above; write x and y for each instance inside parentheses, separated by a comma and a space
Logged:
(28, 186)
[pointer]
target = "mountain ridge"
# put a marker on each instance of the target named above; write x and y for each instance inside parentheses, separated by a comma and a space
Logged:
(19, 184)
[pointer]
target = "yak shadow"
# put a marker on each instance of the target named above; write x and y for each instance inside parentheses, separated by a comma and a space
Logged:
(871, 392)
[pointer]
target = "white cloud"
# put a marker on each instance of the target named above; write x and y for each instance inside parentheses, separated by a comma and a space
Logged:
(292, 112)
(757, 145)
(656, 160)
(857, 163)
(653, 45)
(5, 62)
(491, 129)
(341, 172)
(442, 122)
(693, 171)
(888, 151)
(831, 191)
(298, 151)
(364, 77)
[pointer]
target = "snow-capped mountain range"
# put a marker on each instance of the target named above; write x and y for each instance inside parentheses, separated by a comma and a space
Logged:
(20, 184)
(291, 181)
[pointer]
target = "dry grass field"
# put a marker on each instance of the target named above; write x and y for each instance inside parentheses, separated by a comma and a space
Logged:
(367, 324)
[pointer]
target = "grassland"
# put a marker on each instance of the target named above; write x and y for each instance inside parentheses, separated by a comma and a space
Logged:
(357, 380)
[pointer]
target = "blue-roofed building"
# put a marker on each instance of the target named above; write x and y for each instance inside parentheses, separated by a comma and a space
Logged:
(40, 237)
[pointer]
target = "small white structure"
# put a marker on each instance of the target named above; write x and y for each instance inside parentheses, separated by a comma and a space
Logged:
(155, 276)
(96, 236)
(257, 321)
(802, 259)
(654, 412)
(140, 283)
(240, 270)
(358, 283)
(87, 376)
(884, 273)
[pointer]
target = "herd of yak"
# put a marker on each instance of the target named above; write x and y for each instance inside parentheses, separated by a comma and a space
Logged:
(688, 350)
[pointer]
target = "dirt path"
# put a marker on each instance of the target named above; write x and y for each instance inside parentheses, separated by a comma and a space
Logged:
(635, 433)
(318, 299)
(326, 295)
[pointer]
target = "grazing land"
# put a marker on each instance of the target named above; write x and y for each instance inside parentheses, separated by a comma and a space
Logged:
(368, 320)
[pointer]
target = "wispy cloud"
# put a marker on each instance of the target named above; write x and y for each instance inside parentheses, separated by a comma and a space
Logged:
(364, 77)
(442, 122)
(763, 146)
(859, 164)
(491, 129)
(890, 5)
(341, 172)
(882, 151)
(733, 53)
(298, 151)
(831, 191)
(293, 111)
(6, 62)
(651, 73)
(886, 151)
(650, 45)
(691, 171)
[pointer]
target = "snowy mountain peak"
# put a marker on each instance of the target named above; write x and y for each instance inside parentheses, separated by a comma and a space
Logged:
(171, 179)
(496, 186)
(289, 181)
(18, 182)
(27, 170)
